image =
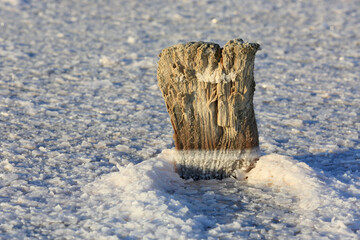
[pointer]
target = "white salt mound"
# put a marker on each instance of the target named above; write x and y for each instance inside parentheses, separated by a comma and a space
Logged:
(282, 172)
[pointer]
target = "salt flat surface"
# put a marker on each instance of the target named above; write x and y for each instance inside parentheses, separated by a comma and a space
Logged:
(85, 141)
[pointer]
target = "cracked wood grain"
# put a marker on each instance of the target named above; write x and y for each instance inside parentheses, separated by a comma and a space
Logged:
(208, 92)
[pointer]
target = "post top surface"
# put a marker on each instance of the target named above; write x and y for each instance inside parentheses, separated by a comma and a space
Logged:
(241, 44)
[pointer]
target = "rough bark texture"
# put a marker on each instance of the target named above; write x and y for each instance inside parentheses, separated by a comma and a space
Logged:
(208, 93)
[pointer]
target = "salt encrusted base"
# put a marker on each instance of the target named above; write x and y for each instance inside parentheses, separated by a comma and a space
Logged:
(214, 164)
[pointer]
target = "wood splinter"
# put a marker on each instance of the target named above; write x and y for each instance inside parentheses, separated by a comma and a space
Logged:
(208, 92)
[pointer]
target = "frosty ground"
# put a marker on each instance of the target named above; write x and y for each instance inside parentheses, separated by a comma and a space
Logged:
(85, 149)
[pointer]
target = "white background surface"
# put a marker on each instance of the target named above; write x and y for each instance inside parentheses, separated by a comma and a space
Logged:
(83, 122)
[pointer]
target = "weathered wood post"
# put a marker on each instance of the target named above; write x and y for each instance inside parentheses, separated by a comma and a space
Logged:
(208, 93)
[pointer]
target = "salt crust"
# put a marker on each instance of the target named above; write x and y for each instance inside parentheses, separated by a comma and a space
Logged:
(55, 94)
(152, 192)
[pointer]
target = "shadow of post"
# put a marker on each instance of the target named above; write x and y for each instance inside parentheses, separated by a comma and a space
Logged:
(335, 163)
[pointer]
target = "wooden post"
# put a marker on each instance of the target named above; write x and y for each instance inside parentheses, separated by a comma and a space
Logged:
(208, 93)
